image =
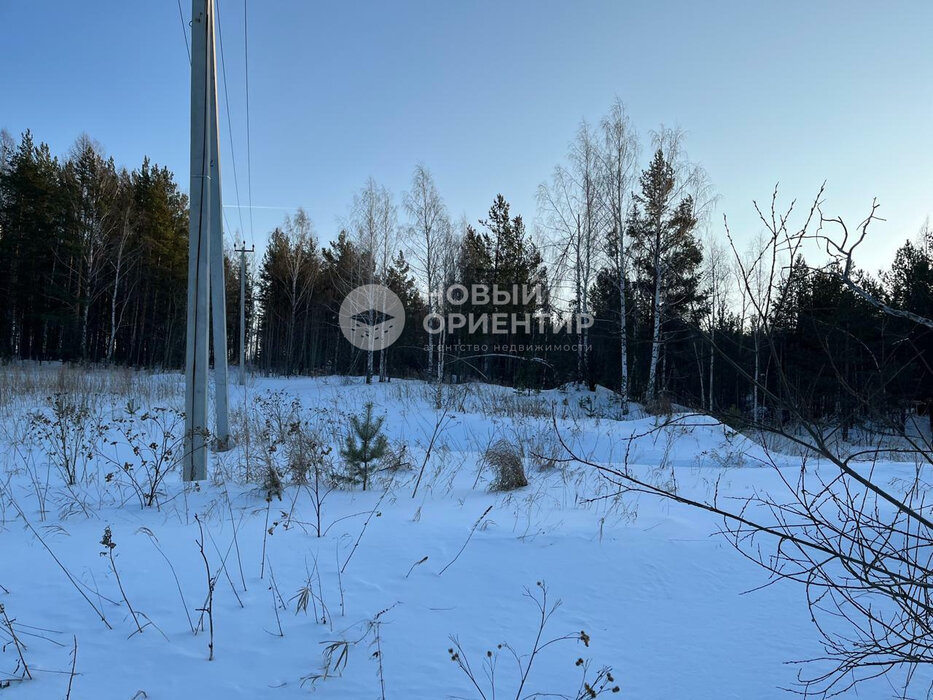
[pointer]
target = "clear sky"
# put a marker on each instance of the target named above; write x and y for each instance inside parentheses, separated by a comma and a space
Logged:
(488, 94)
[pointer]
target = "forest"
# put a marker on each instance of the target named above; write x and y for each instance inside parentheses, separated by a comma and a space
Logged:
(93, 264)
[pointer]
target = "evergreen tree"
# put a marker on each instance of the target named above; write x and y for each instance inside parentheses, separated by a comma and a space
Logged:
(364, 445)
(232, 292)
(406, 352)
(667, 259)
(32, 226)
(502, 256)
(607, 327)
(344, 268)
(157, 322)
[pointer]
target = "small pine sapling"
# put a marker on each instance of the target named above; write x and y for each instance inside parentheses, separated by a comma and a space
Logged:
(365, 444)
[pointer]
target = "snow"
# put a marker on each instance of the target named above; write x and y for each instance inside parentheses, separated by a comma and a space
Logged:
(663, 598)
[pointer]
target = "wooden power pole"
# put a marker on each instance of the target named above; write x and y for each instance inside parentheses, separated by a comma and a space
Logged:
(243, 251)
(205, 253)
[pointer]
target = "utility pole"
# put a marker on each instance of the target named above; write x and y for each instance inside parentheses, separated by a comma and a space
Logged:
(205, 270)
(218, 288)
(196, 353)
(243, 251)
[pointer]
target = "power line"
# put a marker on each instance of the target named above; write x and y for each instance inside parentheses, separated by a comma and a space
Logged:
(223, 65)
(227, 226)
(249, 164)
(181, 16)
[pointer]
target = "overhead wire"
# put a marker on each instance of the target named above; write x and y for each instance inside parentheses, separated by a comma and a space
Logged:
(249, 159)
(181, 16)
(223, 66)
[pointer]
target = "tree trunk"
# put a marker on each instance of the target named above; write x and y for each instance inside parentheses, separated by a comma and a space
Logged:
(712, 358)
(623, 323)
(655, 339)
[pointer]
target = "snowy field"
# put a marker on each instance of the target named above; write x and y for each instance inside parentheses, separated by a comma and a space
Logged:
(368, 609)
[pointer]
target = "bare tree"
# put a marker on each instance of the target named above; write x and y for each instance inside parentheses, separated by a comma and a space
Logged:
(7, 149)
(761, 278)
(122, 259)
(449, 245)
(572, 206)
(429, 231)
(841, 249)
(301, 271)
(374, 223)
(94, 188)
(719, 281)
(618, 158)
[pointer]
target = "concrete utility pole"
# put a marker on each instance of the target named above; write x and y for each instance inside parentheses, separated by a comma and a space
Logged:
(243, 251)
(218, 288)
(205, 266)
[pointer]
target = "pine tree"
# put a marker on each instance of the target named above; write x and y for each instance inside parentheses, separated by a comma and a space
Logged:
(344, 268)
(668, 255)
(32, 280)
(364, 445)
(407, 353)
(502, 256)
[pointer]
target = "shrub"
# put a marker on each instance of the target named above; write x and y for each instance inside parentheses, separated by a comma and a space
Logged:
(396, 458)
(67, 436)
(271, 479)
(309, 463)
(591, 685)
(156, 440)
(306, 454)
(506, 462)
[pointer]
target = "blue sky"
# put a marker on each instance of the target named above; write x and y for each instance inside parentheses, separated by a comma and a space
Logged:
(488, 94)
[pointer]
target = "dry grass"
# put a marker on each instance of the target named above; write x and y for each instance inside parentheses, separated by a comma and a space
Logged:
(506, 463)
(20, 381)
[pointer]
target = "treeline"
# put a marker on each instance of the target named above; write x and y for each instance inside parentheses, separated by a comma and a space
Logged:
(93, 266)
(93, 258)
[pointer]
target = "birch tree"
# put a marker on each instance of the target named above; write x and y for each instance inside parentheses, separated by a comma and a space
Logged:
(301, 270)
(718, 276)
(449, 246)
(429, 231)
(122, 259)
(617, 159)
(676, 197)
(93, 188)
(572, 207)
(668, 254)
(374, 224)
